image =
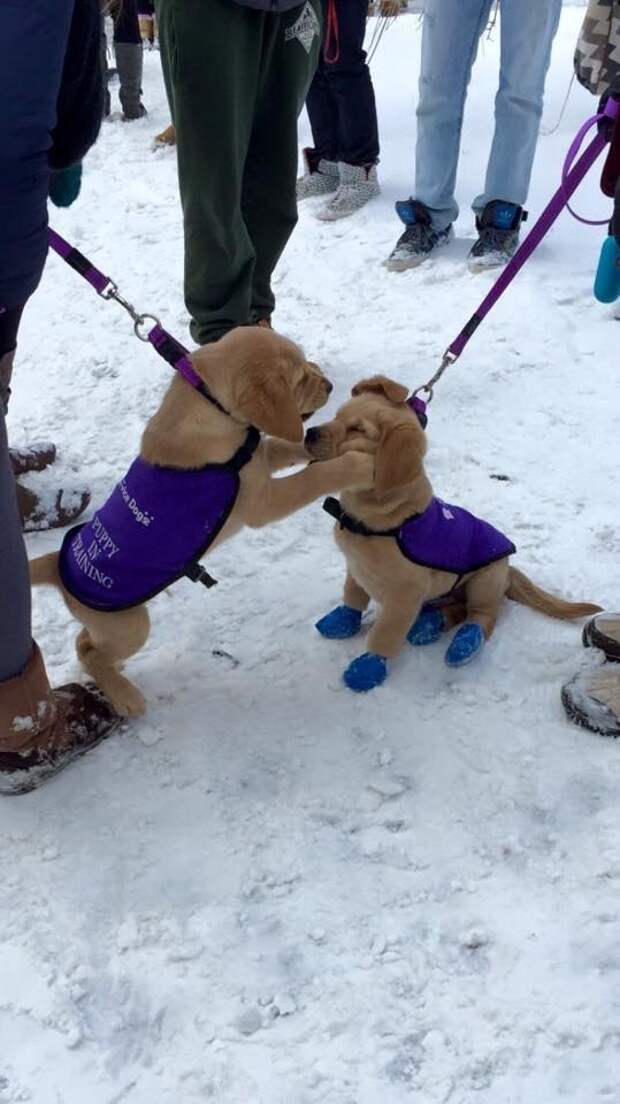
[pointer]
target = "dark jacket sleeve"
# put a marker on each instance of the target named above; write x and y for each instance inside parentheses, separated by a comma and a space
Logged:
(33, 44)
(80, 101)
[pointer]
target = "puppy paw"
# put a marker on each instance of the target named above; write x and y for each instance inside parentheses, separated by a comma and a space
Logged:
(365, 672)
(466, 643)
(428, 627)
(126, 698)
(342, 623)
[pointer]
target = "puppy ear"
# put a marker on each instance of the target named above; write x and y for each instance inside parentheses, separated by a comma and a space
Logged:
(268, 402)
(399, 457)
(381, 385)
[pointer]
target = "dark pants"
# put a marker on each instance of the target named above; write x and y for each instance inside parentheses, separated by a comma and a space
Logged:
(15, 631)
(236, 80)
(126, 26)
(341, 100)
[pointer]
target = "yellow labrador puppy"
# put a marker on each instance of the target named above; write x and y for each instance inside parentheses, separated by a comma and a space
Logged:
(427, 564)
(204, 471)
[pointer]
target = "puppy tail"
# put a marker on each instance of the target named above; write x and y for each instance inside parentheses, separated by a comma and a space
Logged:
(523, 590)
(44, 570)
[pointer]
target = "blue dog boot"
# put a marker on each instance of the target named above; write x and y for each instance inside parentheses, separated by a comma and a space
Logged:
(466, 643)
(340, 624)
(365, 672)
(428, 627)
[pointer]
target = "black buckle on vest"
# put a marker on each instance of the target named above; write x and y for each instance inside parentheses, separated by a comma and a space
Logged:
(197, 574)
(333, 507)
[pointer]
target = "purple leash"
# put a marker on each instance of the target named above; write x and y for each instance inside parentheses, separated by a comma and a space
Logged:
(572, 176)
(171, 350)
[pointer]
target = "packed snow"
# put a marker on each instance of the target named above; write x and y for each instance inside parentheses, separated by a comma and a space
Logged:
(269, 890)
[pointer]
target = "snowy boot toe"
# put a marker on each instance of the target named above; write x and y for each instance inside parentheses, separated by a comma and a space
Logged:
(365, 672)
(341, 624)
(43, 730)
(592, 700)
(49, 508)
(466, 643)
(603, 632)
(35, 457)
(428, 627)
(358, 184)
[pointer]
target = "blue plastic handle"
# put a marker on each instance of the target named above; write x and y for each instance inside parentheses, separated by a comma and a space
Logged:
(607, 283)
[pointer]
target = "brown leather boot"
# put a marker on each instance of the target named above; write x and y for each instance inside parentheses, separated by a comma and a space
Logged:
(49, 511)
(35, 457)
(43, 730)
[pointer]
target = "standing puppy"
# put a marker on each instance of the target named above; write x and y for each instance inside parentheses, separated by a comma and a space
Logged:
(203, 473)
(428, 565)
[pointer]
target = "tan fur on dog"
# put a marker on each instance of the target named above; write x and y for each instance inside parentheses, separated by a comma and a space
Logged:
(262, 379)
(378, 421)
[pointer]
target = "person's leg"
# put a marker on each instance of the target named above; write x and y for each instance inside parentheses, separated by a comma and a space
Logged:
(528, 28)
(322, 114)
(211, 55)
(356, 139)
(16, 643)
(450, 36)
(129, 60)
(268, 198)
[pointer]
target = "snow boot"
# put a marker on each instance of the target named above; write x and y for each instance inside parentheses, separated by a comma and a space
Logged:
(49, 508)
(35, 457)
(129, 62)
(168, 137)
(420, 238)
(358, 184)
(603, 632)
(45, 510)
(592, 700)
(320, 177)
(43, 730)
(498, 235)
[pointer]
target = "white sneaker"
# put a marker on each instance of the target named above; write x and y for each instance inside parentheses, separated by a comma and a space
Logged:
(320, 176)
(358, 184)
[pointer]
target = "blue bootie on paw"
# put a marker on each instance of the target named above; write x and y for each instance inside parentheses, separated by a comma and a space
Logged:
(428, 627)
(365, 672)
(340, 624)
(466, 643)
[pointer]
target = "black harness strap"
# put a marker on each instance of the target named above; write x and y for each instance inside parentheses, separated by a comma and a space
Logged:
(246, 451)
(333, 507)
(194, 569)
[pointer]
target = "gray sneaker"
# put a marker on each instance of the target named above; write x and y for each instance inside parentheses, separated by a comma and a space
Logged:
(358, 184)
(320, 176)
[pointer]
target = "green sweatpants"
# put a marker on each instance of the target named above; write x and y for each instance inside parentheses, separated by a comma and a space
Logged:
(236, 80)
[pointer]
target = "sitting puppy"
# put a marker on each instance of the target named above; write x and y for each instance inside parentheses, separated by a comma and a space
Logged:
(202, 474)
(428, 565)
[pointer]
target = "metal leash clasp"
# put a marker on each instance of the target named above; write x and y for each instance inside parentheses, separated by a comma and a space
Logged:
(428, 388)
(112, 292)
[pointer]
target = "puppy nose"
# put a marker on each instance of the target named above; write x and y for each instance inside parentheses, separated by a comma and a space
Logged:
(312, 435)
(330, 387)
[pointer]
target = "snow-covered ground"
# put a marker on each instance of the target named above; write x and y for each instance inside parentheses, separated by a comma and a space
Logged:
(270, 891)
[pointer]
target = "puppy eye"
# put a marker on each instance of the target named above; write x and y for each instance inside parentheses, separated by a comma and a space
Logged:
(355, 429)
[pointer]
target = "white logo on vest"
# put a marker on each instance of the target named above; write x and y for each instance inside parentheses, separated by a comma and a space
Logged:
(305, 29)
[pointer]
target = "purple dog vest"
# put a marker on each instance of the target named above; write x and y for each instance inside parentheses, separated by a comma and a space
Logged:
(154, 528)
(444, 537)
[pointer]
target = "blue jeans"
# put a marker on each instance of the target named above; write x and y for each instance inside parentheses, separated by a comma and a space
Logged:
(451, 32)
